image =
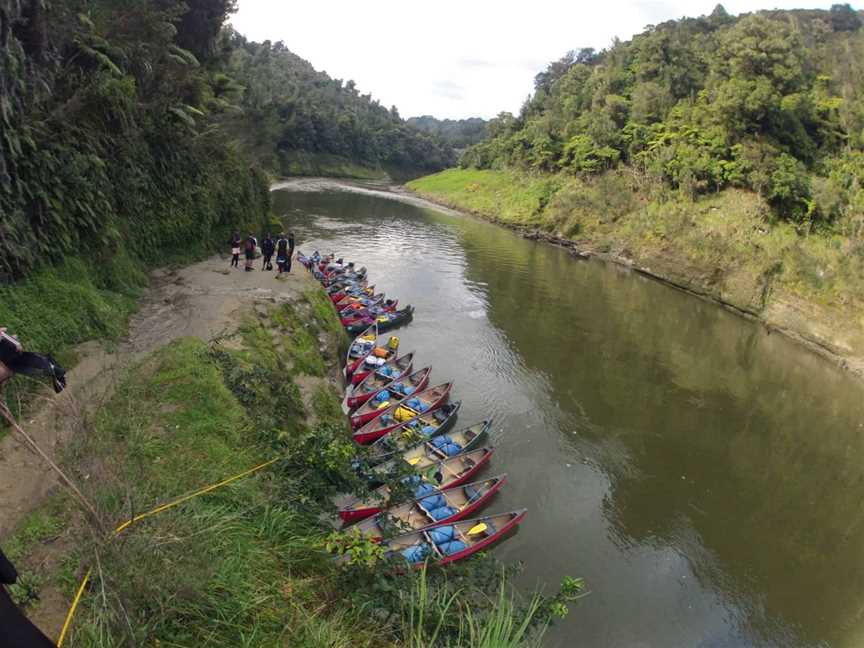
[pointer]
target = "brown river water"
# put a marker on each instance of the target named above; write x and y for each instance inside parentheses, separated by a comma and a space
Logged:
(704, 477)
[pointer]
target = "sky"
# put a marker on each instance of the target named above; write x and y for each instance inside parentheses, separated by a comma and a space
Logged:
(456, 59)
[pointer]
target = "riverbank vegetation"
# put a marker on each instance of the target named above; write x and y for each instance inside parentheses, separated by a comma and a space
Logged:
(108, 161)
(721, 153)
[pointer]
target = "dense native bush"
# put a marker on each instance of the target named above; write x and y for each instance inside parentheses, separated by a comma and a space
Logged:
(767, 101)
(105, 133)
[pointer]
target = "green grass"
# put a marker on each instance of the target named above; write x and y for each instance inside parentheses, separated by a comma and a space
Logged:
(512, 197)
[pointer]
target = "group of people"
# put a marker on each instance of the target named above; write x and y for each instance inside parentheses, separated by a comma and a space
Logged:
(282, 247)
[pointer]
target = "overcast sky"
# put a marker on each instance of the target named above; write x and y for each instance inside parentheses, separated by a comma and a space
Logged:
(457, 59)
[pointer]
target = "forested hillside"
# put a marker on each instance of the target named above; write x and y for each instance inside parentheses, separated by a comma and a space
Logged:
(771, 101)
(458, 133)
(106, 147)
(302, 121)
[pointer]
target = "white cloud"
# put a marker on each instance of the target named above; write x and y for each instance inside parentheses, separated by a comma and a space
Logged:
(456, 59)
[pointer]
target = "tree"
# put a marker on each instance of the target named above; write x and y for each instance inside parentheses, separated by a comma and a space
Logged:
(844, 18)
(200, 25)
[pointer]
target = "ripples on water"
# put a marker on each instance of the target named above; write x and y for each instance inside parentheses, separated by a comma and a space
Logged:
(704, 477)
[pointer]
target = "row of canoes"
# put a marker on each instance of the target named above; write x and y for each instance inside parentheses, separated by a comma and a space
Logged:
(406, 428)
(357, 303)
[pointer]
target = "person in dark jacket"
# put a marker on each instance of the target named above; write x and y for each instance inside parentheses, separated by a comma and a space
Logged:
(268, 247)
(235, 250)
(249, 248)
(290, 250)
(282, 253)
(16, 630)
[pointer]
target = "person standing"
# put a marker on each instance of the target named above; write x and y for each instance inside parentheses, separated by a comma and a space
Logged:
(290, 250)
(249, 250)
(282, 253)
(267, 249)
(235, 250)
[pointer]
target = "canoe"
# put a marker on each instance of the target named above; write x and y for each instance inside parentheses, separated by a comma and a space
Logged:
(399, 414)
(438, 507)
(353, 306)
(341, 290)
(351, 293)
(360, 348)
(396, 392)
(449, 473)
(358, 307)
(446, 543)
(386, 321)
(398, 441)
(394, 369)
(358, 312)
(378, 357)
(341, 286)
(330, 277)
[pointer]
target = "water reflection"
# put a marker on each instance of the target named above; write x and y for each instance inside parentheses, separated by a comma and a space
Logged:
(703, 475)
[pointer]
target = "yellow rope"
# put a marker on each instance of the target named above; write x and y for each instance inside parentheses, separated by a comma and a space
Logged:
(186, 498)
(74, 607)
(159, 509)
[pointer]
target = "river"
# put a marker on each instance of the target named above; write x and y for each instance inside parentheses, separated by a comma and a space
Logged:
(704, 476)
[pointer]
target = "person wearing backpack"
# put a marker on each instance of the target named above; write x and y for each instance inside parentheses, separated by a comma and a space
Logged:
(268, 247)
(249, 250)
(283, 254)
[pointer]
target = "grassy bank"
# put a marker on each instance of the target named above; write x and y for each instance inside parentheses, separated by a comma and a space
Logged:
(726, 245)
(245, 565)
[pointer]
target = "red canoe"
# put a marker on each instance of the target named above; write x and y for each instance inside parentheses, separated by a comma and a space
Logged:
(347, 291)
(395, 392)
(352, 304)
(392, 370)
(439, 507)
(453, 472)
(446, 543)
(399, 414)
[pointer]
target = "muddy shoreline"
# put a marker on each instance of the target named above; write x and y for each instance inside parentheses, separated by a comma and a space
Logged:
(830, 347)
